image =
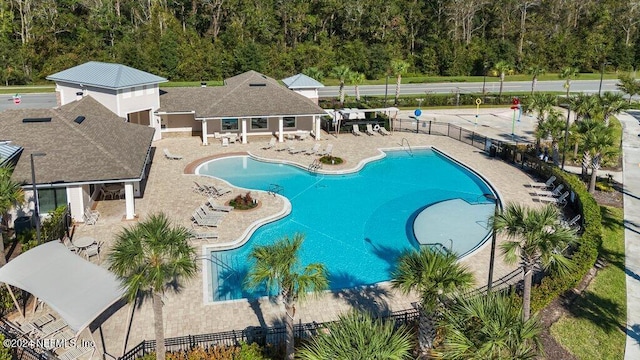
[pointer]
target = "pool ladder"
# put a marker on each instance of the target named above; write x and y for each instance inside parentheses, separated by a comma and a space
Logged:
(274, 189)
(410, 151)
(315, 165)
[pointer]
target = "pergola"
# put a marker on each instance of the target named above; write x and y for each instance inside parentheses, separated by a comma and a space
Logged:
(78, 290)
(354, 114)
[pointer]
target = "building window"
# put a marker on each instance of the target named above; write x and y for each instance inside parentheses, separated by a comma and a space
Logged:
(50, 199)
(139, 91)
(126, 93)
(229, 124)
(259, 123)
(289, 122)
(150, 89)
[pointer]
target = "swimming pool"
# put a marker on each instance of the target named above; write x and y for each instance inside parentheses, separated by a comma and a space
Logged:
(357, 224)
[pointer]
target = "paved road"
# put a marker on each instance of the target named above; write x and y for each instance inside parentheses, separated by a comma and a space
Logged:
(631, 173)
(48, 100)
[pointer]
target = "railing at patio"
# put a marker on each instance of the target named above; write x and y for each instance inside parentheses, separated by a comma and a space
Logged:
(267, 336)
(24, 352)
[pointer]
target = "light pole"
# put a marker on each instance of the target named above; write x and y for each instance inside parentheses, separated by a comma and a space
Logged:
(492, 257)
(566, 135)
(36, 210)
(386, 90)
(601, 76)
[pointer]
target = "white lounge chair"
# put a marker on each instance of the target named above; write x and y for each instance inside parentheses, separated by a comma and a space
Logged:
(51, 328)
(369, 130)
(560, 201)
(204, 235)
(313, 150)
(295, 151)
(218, 190)
(383, 131)
(555, 193)
(206, 221)
(171, 156)
(225, 141)
(544, 185)
(271, 144)
(571, 223)
(356, 130)
(326, 151)
(211, 203)
(76, 352)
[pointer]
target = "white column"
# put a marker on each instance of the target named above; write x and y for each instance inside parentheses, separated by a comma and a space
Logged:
(154, 122)
(280, 129)
(204, 132)
(317, 130)
(129, 202)
(244, 131)
(76, 199)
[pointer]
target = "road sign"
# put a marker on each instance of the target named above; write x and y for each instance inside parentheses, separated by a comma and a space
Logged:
(417, 113)
(17, 100)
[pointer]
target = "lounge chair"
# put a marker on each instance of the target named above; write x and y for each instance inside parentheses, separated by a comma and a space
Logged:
(326, 151)
(294, 151)
(225, 141)
(287, 148)
(171, 156)
(383, 131)
(207, 212)
(544, 185)
(204, 235)
(90, 216)
(303, 135)
(211, 203)
(271, 144)
(369, 130)
(208, 222)
(218, 190)
(313, 150)
(571, 223)
(560, 201)
(76, 352)
(356, 130)
(555, 193)
(52, 328)
(43, 320)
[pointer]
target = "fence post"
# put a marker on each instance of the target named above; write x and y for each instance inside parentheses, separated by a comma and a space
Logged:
(473, 136)
(460, 134)
(430, 122)
(417, 125)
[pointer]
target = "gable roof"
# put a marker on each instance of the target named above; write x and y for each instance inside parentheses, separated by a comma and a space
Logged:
(102, 147)
(302, 81)
(106, 75)
(250, 94)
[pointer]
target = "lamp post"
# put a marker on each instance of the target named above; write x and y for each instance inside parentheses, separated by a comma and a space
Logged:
(566, 135)
(36, 209)
(386, 89)
(601, 76)
(492, 257)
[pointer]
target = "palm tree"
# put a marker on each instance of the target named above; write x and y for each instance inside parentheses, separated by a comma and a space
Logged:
(341, 73)
(398, 67)
(151, 258)
(568, 73)
(628, 85)
(553, 126)
(314, 73)
(435, 276)
(597, 140)
(535, 236)
(535, 71)
(503, 68)
(541, 105)
(358, 336)
(489, 327)
(356, 79)
(612, 104)
(11, 194)
(585, 107)
(279, 267)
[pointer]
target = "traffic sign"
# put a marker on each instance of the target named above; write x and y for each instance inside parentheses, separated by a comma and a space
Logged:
(417, 113)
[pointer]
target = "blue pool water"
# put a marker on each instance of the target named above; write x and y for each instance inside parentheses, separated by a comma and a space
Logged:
(355, 224)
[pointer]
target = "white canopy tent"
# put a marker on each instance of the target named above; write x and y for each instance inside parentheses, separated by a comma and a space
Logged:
(355, 114)
(78, 290)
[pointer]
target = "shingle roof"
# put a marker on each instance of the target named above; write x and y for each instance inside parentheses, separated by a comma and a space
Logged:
(302, 81)
(249, 94)
(106, 75)
(102, 147)
(7, 152)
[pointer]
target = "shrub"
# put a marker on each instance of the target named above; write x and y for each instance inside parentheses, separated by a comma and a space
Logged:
(333, 160)
(242, 352)
(243, 202)
(5, 353)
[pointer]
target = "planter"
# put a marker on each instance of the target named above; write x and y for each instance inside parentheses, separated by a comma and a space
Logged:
(258, 205)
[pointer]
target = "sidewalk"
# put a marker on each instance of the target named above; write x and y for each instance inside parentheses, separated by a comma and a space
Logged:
(631, 172)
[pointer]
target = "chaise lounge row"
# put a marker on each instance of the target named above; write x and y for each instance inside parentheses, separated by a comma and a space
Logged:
(370, 130)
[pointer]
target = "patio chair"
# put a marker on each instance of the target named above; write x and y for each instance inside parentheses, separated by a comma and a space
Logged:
(303, 135)
(51, 328)
(90, 218)
(211, 202)
(218, 190)
(287, 148)
(92, 250)
(313, 150)
(225, 141)
(171, 156)
(356, 130)
(204, 235)
(571, 223)
(326, 151)
(208, 222)
(295, 151)
(560, 201)
(95, 213)
(271, 144)
(555, 193)
(369, 130)
(544, 185)
(201, 189)
(383, 131)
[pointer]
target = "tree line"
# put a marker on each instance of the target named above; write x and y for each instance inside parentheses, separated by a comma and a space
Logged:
(213, 39)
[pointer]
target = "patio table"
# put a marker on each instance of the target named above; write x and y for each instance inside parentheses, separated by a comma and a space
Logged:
(84, 242)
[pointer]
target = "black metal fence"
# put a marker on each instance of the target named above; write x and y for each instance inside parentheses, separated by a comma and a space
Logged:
(23, 352)
(263, 336)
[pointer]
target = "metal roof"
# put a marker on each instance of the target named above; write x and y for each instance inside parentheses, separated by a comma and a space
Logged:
(106, 75)
(302, 81)
(8, 152)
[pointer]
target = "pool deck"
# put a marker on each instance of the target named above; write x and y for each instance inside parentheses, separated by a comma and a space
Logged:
(169, 189)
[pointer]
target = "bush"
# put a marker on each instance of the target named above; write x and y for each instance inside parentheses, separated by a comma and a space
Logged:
(242, 352)
(245, 202)
(5, 353)
(586, 253)
(332, 160)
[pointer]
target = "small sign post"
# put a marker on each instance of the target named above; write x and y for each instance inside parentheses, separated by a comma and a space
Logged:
(478, 102)
(17, 99)
(515, 105)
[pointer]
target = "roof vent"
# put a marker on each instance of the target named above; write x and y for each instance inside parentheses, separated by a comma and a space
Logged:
(258, 84)
(79, 119)
(36, 120)
(203, 84)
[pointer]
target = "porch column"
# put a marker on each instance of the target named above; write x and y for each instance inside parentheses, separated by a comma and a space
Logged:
(317, 128)
(280, 129)
(204, 132)
(244, 131)
(129, 202)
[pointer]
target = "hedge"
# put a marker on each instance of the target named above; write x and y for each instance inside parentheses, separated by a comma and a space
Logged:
(586, 253)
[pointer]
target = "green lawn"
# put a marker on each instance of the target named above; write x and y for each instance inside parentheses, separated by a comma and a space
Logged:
(595, 327)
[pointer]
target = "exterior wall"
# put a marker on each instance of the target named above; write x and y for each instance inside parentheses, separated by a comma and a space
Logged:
(304, 123)
(181, 122)
(141, 98)
(105, 97)
(309, 93)
(76, 197)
